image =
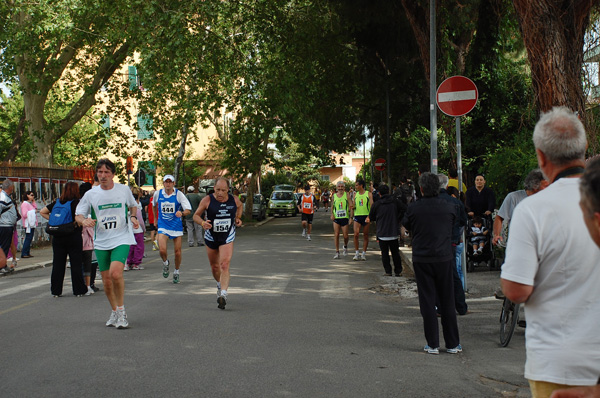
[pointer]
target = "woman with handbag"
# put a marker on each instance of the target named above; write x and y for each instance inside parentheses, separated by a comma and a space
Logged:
(28, 209)
(66, 240)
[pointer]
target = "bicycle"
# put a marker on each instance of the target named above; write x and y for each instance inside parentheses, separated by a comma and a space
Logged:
(509, 318)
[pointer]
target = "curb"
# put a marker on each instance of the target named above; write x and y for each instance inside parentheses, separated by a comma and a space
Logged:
(24, 268)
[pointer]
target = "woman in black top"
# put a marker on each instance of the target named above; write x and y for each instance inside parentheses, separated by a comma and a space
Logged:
(71, 245)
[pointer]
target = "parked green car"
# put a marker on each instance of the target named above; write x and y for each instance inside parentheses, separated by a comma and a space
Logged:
(283, 202)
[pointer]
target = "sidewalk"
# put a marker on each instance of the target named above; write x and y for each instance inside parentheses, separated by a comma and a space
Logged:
(42, 258)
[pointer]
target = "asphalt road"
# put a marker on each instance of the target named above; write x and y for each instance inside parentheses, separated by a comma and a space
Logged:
(297, 324)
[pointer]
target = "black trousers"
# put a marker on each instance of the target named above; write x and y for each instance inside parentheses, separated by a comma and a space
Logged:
(387, 246)
(71, 245)
(436, 279)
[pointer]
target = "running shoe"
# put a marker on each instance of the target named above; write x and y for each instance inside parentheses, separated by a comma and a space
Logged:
(363, 257)
(345, 252)
(222, 301)
(356, 257)
(337, 256)
(122, 322)
(218, 292)
(175, 278)
(90, 291)
(430, 350)
(166, 269)
(126, 268)
(135, 267)
(454, 350)
(308, 237)
(303, 233)
(155, 245)
(112, 321)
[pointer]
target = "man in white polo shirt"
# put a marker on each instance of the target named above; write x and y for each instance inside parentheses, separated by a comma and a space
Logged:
(552, 264)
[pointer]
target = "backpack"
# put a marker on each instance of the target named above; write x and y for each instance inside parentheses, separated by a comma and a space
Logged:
(60, 222)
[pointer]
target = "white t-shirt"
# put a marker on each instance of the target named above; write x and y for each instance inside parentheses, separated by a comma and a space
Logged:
(110, 209)
(550, 249)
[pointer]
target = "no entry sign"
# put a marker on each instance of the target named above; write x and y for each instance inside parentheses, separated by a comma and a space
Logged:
(457, 96)
(380, 164)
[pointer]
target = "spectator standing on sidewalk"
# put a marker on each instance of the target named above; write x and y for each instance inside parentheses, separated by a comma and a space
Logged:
(552, 266)
(460, 222)
(136, 252)
(8, 219)
(192, 227)
(534, 182)
(29, 218)
(387, 213)
(430, 220)
(69, 244)
(480, 199)
(589, 187)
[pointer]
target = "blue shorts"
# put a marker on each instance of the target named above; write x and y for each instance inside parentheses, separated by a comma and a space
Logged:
(341, 221)
(362, 220)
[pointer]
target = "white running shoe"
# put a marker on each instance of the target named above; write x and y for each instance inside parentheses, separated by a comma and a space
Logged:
(304, 233)
(166, 269)
(308, 237)
(122, 322)
(345, 252)
(90, 291)
(363, 257)
(112, 321)
(356, 257)
(126, 268)
(222, 301)
(337, 256)
(218, 292)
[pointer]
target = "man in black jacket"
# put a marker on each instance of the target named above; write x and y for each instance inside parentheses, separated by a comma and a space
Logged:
(388, 212)
(430, 220)
(459, 223)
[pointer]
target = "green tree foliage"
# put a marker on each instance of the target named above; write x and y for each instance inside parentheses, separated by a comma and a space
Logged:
(64, 46)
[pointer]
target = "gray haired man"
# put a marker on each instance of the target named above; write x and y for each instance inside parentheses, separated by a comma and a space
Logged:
(552, 264)
(8, 219)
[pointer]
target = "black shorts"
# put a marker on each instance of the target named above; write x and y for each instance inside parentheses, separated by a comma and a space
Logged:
(6, 237)
(151, 227)
(362, 220)
(307, 217)
(341, 221)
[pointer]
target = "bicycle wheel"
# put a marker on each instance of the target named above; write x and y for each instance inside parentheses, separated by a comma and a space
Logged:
(508, 321)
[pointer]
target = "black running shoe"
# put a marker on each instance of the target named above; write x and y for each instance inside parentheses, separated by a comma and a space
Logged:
(222, 302)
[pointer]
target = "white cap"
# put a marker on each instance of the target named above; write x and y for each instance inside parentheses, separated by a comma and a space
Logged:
(169, 177)
(191, 188)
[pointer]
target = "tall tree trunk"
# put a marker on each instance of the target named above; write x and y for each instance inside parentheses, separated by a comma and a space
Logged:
(553, 32)
(43, 140)
(13, 151)
(181, 153)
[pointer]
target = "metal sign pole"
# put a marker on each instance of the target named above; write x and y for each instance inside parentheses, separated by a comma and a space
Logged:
(463, 261)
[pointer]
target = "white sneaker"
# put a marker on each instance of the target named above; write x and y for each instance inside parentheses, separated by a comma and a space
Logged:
(303, 233)
(112, 321)
(345, 252)
(122, 322)
(356, 257)
(126, 268)
(90, 291)
(218, 292)
(308, 237)
(363, 257)
(337, 256)
(166, 269)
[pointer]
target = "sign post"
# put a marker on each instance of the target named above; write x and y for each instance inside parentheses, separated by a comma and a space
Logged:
(457, 96)
(380, 165)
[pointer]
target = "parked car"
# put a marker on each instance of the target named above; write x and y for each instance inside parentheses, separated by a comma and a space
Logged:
(282, 203)
(259, 207)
